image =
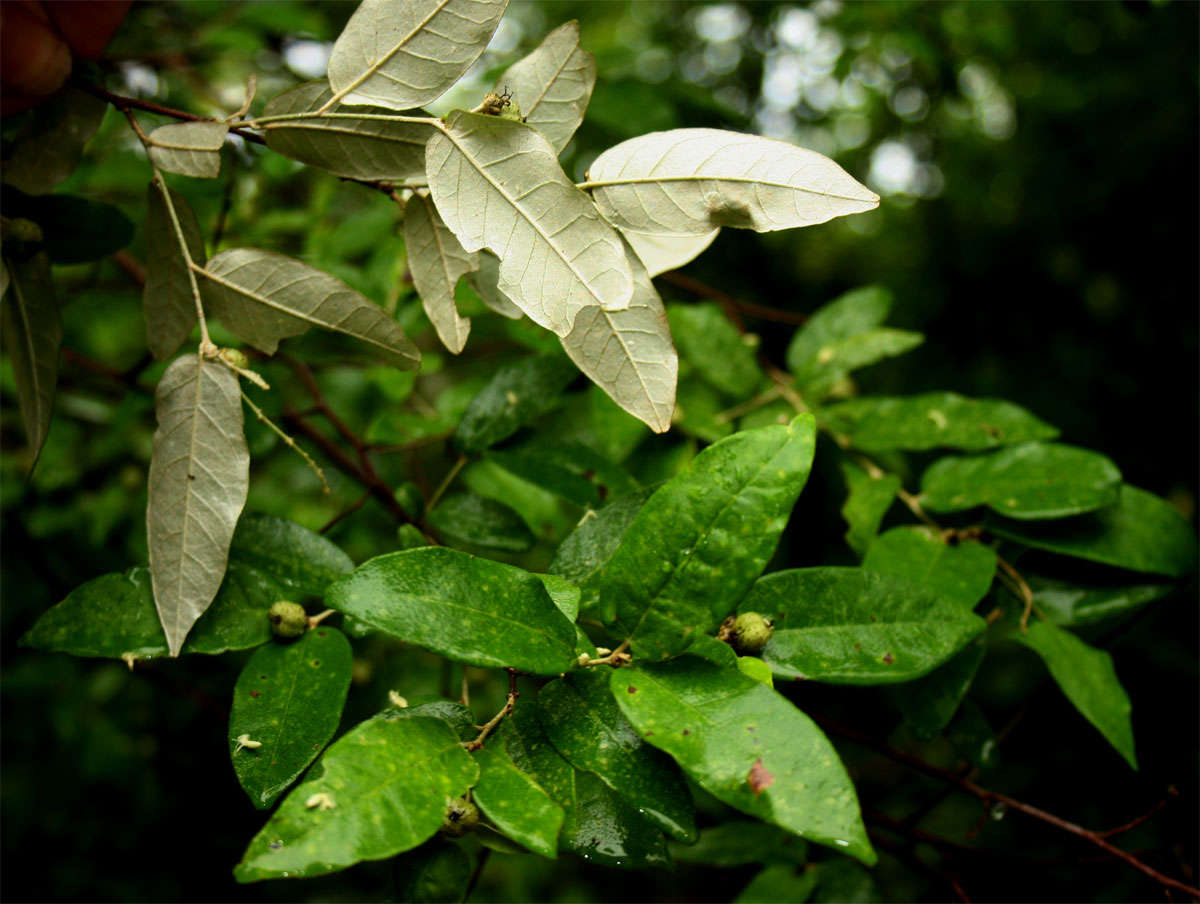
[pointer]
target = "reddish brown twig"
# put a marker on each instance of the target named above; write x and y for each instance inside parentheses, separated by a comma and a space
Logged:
(1172, 793)
(509, 704)
(731, 304)
(132, 103)
(345, 513)
(989, 796)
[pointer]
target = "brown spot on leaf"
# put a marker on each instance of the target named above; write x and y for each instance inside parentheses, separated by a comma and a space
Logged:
(686, 731)
(888, 659)
(254, 693)
(759, 779)
(632, 689)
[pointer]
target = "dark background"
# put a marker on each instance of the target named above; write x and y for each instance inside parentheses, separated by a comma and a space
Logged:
(1038, 168)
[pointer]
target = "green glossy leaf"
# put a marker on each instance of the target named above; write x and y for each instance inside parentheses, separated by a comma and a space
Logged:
(868, 500)
(571, 470)
(1068, 605)
(518, 393)
(714, 347)
(753, 667)
(1030, 481)
(167, 297)
(739, 842)
(747, 746)
(199, 478)
(598, 825)
(930, 421)
(847, 315)
(113, 616)
(458, 717)
(380, 790)
(553, 84)
(403, 55)
(50, 144)
(699, 410)
(188, 148)
(32, 329)
(1086, 675)
(1141, 533)
(779, 883)
(929, 703)
(351, 143)
(565, 595)
(470, 520)
(302, 560)
(468, 609)
(516, 804)
(698, 543)
(289, 699)
(583, 721)
(836, 361)
(262, 298)
(438, 872)
(715, 651)
(549, 516)
(851, 626)
(959, 572)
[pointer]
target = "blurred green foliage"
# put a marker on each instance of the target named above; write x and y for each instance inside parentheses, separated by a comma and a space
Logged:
(1037, 166)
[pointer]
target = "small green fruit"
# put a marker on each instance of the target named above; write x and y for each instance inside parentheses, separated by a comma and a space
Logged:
(461, 817)
(288, 619)
(751, 632)
(236, 357)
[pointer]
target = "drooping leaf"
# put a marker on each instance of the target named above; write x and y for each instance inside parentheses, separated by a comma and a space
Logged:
(188, 148)
(468, 609)
(1086, 675)
(438, 872)
(747, 746)
(33, 333)
(838, 360)
(302, 560)
(518, 393)
(1141, 533)
(587, 549)
(571, 470)
(553, 84)
(380, 790)
(629, 353)
(1068, 605)
(113, 616)
(698, 543)
(498, 185)
(472, 520)
(50, 146)
(779, 882)
(851, 626)
(346, 143)
(739, 842)
(1029, 481)
(661, 253)
(263, 297)
(516, 804)
(402, 54)
(929, 703)
(199, 477)
(846, 316)
(718, 352)
(170, 306)
(690, 181)
(289, 699)
(584, 723)
(869, 496)
(930, 421)
(437, 261)
(957, 572)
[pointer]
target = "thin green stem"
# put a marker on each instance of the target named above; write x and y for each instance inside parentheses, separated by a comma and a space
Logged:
(445, 484)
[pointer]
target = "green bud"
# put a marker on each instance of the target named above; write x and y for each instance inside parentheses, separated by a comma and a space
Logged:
(751, 632)
(461, 817)
(236, 357)
(288, 619)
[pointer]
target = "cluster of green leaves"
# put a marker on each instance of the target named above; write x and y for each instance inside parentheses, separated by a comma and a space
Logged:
(605, 763)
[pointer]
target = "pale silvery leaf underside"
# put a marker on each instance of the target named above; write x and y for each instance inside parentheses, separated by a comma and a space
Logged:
(629, 353)
(263, 297)
(33, 333)
(402, 54)
(188, 148)
(167, 299)
(344, 143)
(690, 181)
(437, 261)
(498, 185)
(485, 281)
(199, 477)
(661, 253)
(552, 86)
